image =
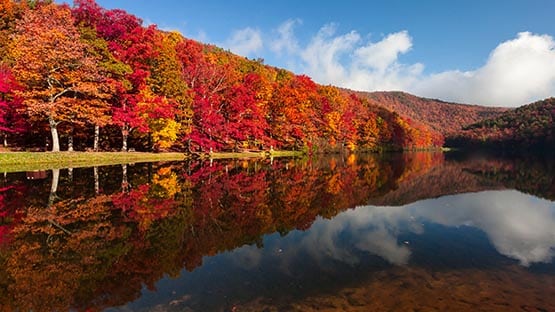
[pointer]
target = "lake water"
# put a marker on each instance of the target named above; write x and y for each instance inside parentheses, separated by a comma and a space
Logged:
(403, 232)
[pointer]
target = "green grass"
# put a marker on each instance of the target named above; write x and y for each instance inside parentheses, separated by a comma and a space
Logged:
(28, 161)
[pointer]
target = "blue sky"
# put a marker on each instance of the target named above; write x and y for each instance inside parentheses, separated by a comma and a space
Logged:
(424, 47)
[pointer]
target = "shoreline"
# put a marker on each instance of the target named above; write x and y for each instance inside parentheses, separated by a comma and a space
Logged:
(32, 161)
(12, 161)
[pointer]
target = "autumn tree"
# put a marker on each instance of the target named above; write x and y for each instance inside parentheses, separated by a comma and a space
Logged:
(209, 72)
(113, 71)
(62, 81)
(167, 80)
(11, 119)
(134, 46)
(135, 49)
(159, 114)
(338, 113)
(292, 113)
(245, 122)
(10, 12)
(149, 202)
(369, 132)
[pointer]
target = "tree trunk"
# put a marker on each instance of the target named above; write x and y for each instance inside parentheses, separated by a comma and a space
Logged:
(70, 143)
(5, 140)
(124, 182)
(124, 134)
(70, 174)
(96, 181)
(54, 187)
(96, 137)
(54, 132)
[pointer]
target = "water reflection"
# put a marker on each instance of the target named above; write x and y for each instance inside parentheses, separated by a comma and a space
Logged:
(232, 231)
(335, 253)
(369, 230)
(519, 226)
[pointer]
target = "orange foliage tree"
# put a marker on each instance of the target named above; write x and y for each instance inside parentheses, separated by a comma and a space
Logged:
(62, 82)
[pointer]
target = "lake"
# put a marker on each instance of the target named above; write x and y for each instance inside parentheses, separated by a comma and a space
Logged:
(399, 232)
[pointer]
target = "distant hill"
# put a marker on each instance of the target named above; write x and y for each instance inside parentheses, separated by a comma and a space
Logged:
(529, 126)
(444, 117)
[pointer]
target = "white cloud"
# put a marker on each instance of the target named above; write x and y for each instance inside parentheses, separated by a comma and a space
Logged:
(245, 42)
(383, 54)
(517, 71)
(247, 257)
(346, 61)
(321, 59)
(286, 41)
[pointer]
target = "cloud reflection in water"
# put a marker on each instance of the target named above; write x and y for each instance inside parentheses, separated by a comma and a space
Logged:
(519, 226)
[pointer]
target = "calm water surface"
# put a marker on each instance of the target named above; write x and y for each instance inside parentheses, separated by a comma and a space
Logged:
(405, 232)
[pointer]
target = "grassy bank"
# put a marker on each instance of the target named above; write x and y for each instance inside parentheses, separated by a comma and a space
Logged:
(28, 161)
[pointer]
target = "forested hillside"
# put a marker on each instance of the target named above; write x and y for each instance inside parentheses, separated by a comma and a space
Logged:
(85, 77)
(529, 126)
(444, 117)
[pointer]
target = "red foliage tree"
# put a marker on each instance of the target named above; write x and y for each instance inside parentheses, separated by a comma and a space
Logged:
(11, 116)
(131, 44)
(245, 123)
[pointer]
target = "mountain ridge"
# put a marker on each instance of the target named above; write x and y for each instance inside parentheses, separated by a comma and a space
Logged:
(447, 118)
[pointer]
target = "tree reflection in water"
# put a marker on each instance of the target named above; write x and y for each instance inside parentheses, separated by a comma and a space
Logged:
(93, 241)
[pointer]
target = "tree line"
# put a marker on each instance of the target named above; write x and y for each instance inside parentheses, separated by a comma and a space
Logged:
(89, 78)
